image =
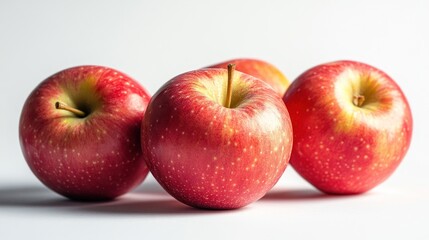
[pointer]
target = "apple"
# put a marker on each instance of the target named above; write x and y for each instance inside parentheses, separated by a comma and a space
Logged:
(216, 140)
(259, 69)
(80, 132)
(352, 126)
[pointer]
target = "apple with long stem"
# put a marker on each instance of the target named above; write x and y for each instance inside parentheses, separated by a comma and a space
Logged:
(216, 139)
(352, 126)
(80, 132)
(263, 70)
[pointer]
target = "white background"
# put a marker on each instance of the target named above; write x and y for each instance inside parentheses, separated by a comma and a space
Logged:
(155, 40)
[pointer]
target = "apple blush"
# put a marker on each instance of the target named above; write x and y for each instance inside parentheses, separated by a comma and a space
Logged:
(352, 126)
(80, 132)
(216, 139)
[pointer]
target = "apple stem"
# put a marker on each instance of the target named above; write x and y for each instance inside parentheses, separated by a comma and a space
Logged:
(63, 106)
(358, 100)
(231, 68)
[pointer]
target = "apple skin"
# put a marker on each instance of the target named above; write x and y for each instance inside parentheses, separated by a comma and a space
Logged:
(259, 69)
(209, 156)
(97, 157)
(339, 147)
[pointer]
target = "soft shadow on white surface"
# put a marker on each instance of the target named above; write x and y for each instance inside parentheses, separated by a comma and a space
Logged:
(32, 197)
(169, 207)
(150, 186)
(297, 194)
(147, 199)
(294, 195)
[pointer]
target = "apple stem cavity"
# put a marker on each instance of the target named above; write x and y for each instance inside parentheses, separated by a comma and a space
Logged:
(63, 106)
(231, 68)
(358, 100)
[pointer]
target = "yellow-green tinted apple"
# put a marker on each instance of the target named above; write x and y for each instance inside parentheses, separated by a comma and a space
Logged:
(352, 126)
(259, 69)
(80, 132)
(210, 154)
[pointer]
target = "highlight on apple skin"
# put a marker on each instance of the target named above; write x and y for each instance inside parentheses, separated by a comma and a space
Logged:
(80, 132)
(210, 155)
(263, 70)
(352, 126)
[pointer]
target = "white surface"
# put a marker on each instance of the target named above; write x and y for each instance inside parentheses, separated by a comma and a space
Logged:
(156, 40)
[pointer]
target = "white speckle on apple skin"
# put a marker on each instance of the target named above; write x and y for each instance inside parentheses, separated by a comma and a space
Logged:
(208, 178)
(74, 170)
(362, 152)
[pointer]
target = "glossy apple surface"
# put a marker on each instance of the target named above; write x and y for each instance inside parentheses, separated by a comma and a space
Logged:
(352, 126)
(259, 69)
(207, 155)
(92, 157)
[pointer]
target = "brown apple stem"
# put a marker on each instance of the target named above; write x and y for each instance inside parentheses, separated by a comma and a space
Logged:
(63, 106)
(231, 68)
(358, 100)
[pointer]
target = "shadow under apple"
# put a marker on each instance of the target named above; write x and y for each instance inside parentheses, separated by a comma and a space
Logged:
(302, 195)
(149, 199)
(150, 187)
(143, 207)
(32, 196)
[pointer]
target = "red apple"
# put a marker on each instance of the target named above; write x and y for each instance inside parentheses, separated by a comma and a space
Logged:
(80, 132)
(352, 126)
(259, 69)
(210, 154)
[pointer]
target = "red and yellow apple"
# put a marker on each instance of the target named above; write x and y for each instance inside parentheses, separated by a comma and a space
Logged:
(259, 69)
(209, 153)
(352, 126)
(80, 132)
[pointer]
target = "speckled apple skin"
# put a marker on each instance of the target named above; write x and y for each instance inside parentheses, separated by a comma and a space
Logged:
(209, 156)
(93, 158)
(263, 70)
(338, 147)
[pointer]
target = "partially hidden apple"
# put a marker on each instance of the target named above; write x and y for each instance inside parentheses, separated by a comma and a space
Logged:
(352, 126)
(214, 139)
(80, 132)
(259, 69)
